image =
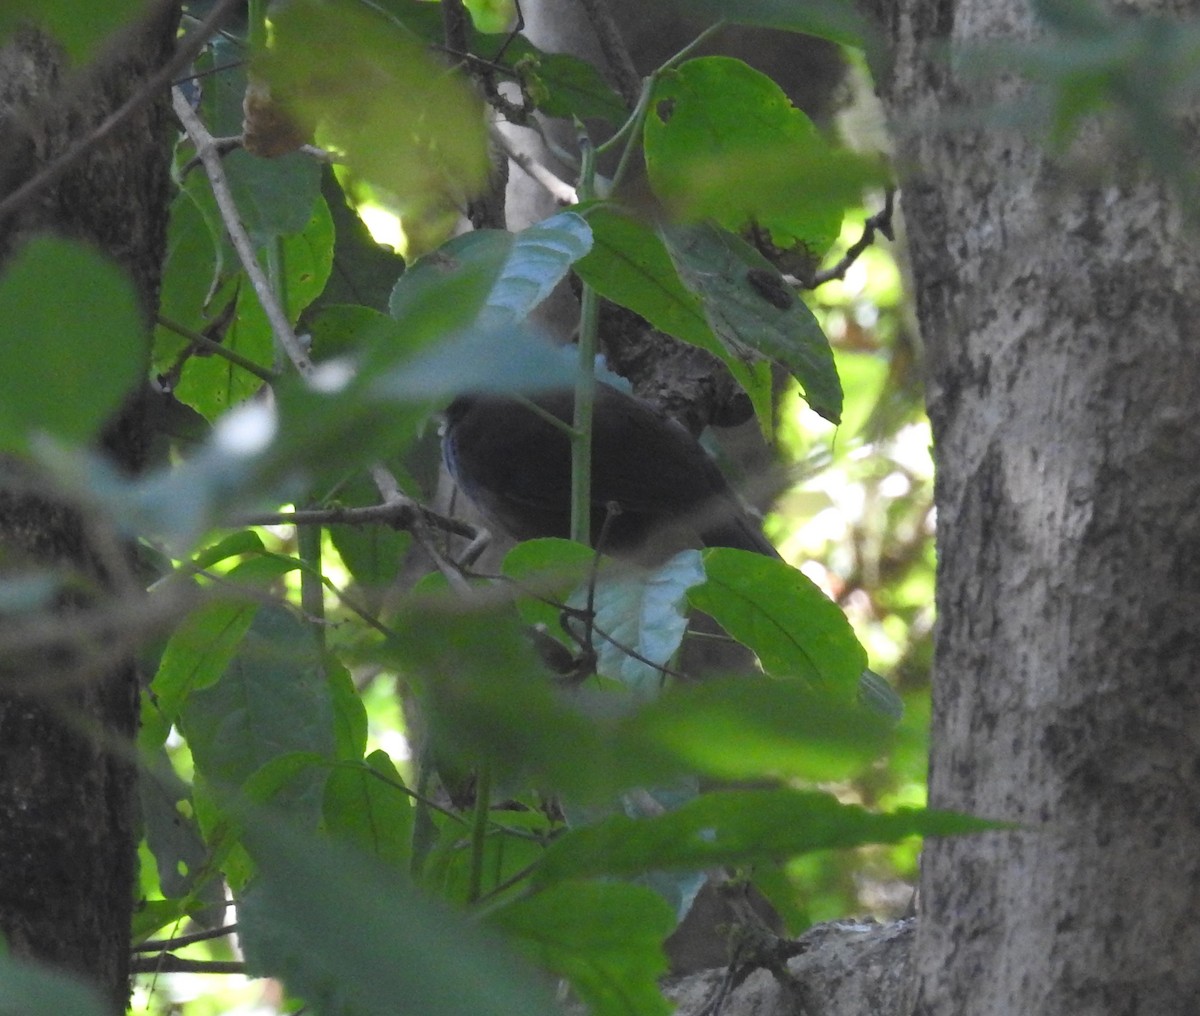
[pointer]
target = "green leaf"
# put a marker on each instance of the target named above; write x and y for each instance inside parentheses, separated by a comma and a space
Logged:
(80, 28)
(77, 342)
(198, 652)
(402, 121)
(349, 713)
(211, 384)
(273, 701)
(794, 628)
(605, 938)
(153, 915)
(486, 699)
(512, 845)
(32, 989)
(346, 330)
(743, 728)
(499, 358)
(724, 143)
(545, 572)
(202, 646)
(366, 805)
(514, 272)
(245, 541)
(736, 284)
(877, 695)
(459, 314)
(736, 827)
(351, 936)
(274, 197)
(569, 87)
(629, 265)
(171, 833)
(188, 275)
(364, 272)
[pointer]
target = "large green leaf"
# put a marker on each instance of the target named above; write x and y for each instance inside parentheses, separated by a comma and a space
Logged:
(736, 827)
(366, 805)
(364, 272)
(212, 384)
(33, 989)
(515, 271)
(460, 314)
(795, 629)
(188, 276)
(81, 28)
(354, 938)
(717, 135)
(753, 311)
(742, 728)
(400, 119)
(604, 938)
(630, 265)
(76, 342)
(205, 642)
(486, 700)
(273, 702)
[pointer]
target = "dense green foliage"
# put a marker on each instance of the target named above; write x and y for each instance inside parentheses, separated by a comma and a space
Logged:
(274, 655)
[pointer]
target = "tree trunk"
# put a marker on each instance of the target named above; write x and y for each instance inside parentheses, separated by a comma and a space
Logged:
(67, 781)
(1059, 318)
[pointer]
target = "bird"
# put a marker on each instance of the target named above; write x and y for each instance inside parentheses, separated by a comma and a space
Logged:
(655, 490)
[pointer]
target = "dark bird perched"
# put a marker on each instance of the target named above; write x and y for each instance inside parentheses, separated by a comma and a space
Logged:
(516, 467)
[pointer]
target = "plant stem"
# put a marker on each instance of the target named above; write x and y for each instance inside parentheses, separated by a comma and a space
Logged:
(479, 826)
(585, 377)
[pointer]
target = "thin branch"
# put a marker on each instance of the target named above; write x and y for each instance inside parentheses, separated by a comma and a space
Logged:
(156, 945)
(398, 512)
(207, 345)
(559, 189)
(169, 963)
(616, 53)
(389, 489)
(188, 47)
(206, 149)
(880, 222)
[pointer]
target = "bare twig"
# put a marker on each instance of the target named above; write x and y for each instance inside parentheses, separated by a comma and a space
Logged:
(880, 222)
(616, 53)
(188, 47)
(162, 944)
(559, 189)
(398, 512)
(390, 491)
(206, 149)
(169, 963)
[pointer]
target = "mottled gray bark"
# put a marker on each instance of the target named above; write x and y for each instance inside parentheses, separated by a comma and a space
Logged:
(67, 783)
(1059, 308)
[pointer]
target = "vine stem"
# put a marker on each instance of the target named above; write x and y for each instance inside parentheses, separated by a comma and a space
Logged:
(585, 376)
(479, 825)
